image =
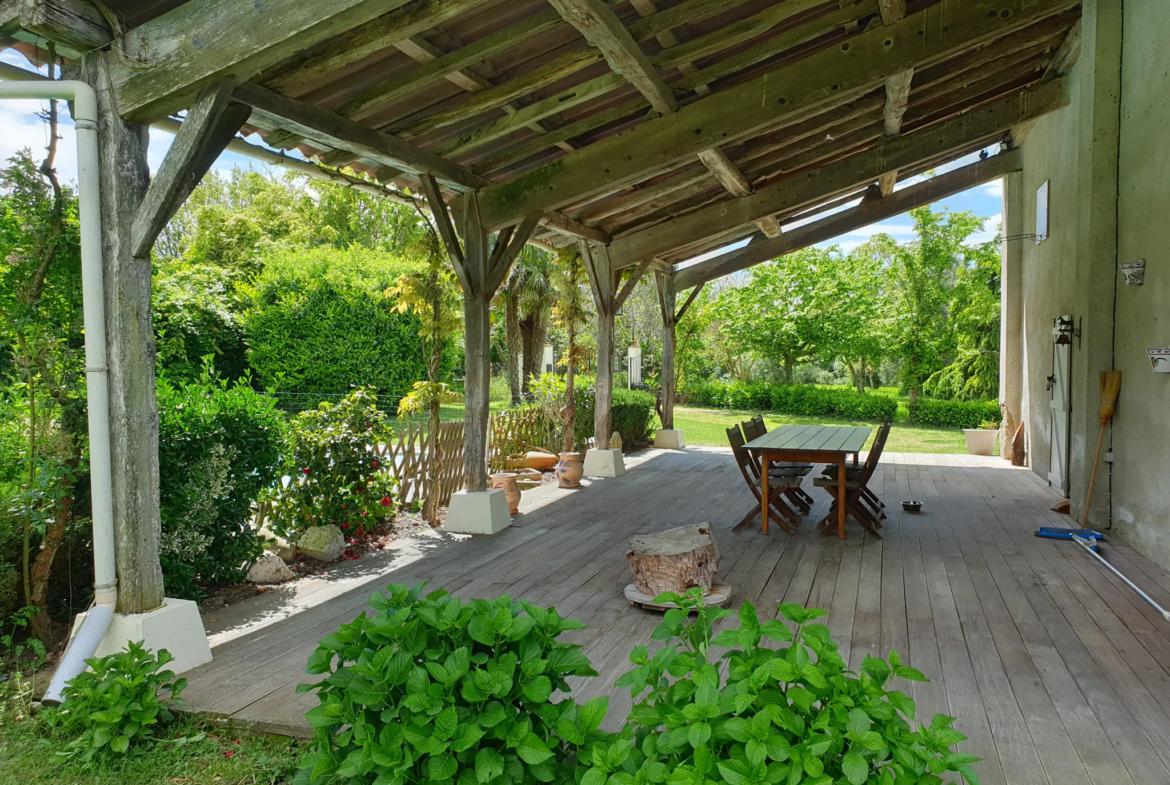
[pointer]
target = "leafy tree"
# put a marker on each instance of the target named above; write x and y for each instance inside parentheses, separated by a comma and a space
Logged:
(923, 274)
(570, 310)
(41, 320)
(432, 294)
(852, 307)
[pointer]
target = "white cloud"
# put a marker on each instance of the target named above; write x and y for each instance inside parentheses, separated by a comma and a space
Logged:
(990, 229)
(24, 129)
(993, 189)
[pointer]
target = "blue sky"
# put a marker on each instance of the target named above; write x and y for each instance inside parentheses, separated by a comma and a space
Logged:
(24, 128)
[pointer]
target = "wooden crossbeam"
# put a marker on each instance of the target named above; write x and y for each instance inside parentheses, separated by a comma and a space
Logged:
(934, 33)
(687, 304)
(603, 30)
(870, 211)
(169, 58)
(566, 225)
(212, 122)
(897, 99)
(75, 26)
(501, 260)
(631, 282)
(340, 132)
(849, 173)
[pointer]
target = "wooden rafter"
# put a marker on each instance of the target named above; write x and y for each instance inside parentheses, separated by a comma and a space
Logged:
(868, 212)
(927, 36)
(848, 173)
(603, 30)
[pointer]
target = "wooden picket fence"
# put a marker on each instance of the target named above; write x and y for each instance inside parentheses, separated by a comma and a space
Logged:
(518, 431)
(409, 460)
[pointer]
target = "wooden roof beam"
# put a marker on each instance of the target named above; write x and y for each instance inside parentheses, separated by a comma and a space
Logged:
(809, 186)
(603, 30)
(870, 211)
(75, 26)
(897, 99)
(335, 131)
(169, 58)
(835, 74)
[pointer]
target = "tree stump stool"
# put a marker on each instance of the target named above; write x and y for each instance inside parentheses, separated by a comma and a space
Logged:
(674, 561)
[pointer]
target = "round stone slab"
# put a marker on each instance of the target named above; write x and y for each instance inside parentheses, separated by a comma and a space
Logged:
(719, 595)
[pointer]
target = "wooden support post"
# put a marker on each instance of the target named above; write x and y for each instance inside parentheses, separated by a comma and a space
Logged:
(666, 300)
(480, 270)
(125, 177)
(608, 300)
(602, 284)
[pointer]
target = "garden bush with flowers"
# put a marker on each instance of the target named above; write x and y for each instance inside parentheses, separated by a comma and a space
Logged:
(332, 473)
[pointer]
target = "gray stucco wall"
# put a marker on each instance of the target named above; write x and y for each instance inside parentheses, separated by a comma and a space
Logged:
(1107, 160)
(1141, 434)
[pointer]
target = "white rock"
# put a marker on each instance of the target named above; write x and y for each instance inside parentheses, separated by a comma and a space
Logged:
(269, 568)
(324, 543)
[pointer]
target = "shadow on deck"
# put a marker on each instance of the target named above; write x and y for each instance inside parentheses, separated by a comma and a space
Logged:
(1056, 671)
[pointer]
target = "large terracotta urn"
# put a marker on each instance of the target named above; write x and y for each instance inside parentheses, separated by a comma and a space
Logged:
(570, 469)
(507, 481)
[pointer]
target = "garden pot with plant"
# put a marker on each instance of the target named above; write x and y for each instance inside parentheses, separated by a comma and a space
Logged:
(981, 440)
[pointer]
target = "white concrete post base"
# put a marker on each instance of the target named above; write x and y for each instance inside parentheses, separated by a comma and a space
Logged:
(604, 463)
(175, 626)
(479, 512)
(669, 439)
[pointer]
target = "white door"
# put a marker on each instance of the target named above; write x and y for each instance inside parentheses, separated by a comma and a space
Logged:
(1060, 385)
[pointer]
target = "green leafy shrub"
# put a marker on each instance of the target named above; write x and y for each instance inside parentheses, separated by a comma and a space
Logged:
(952, 414)
(790, 714)
(973, 376)
(219, 447)
(114, 709)
(799, 399)
(322, 322)
(432, 689)
(195, 314)
(632, 412)
(331, 474)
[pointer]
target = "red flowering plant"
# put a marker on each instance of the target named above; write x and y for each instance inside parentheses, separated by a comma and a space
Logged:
(333, 472)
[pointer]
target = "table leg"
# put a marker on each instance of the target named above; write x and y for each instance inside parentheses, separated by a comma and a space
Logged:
(841, 497)
(766, 464)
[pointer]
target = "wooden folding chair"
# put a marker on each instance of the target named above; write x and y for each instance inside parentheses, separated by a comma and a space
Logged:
(868, 497)
(778, 486)
(853, 489)
(754, 429)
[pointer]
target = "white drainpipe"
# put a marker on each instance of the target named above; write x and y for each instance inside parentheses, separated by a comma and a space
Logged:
(97, 621)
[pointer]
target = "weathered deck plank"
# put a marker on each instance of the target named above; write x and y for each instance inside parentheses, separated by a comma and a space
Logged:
(1055, 672)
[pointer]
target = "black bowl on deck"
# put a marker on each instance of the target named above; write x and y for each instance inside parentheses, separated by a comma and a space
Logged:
(912, 506)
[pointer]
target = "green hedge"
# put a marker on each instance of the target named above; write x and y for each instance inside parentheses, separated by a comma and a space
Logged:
(321, 323)
(218, 446)
(632, 414)
(801, 399)
(952, 414)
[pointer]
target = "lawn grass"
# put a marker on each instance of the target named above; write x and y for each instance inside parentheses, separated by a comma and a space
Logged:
(218, 759)
(708, 427)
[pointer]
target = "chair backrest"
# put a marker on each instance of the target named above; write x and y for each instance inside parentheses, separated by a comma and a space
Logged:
(754, 428)
(742, 456)
(875, 452)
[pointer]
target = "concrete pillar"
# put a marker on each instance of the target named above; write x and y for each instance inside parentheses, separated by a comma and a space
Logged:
(1096, 267)
(1011, 337)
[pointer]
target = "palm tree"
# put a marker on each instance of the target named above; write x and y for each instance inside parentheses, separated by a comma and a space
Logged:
(527, 307)
(571, 311)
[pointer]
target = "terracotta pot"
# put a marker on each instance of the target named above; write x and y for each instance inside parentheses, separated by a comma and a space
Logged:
(507, 481)
(570, 469)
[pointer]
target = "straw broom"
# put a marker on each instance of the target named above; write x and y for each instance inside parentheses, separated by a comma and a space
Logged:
(1110, 387)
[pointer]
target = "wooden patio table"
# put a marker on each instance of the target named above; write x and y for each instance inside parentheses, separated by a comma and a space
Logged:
(811, 444)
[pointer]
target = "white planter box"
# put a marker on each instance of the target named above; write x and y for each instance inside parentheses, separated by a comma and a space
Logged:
(980, 441)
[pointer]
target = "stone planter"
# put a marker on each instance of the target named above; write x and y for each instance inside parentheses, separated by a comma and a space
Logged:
(507, 482)
(527, 479)
(570, 469)
(980, 441)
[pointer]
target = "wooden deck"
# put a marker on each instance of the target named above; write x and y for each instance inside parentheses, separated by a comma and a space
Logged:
(1057, 672)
